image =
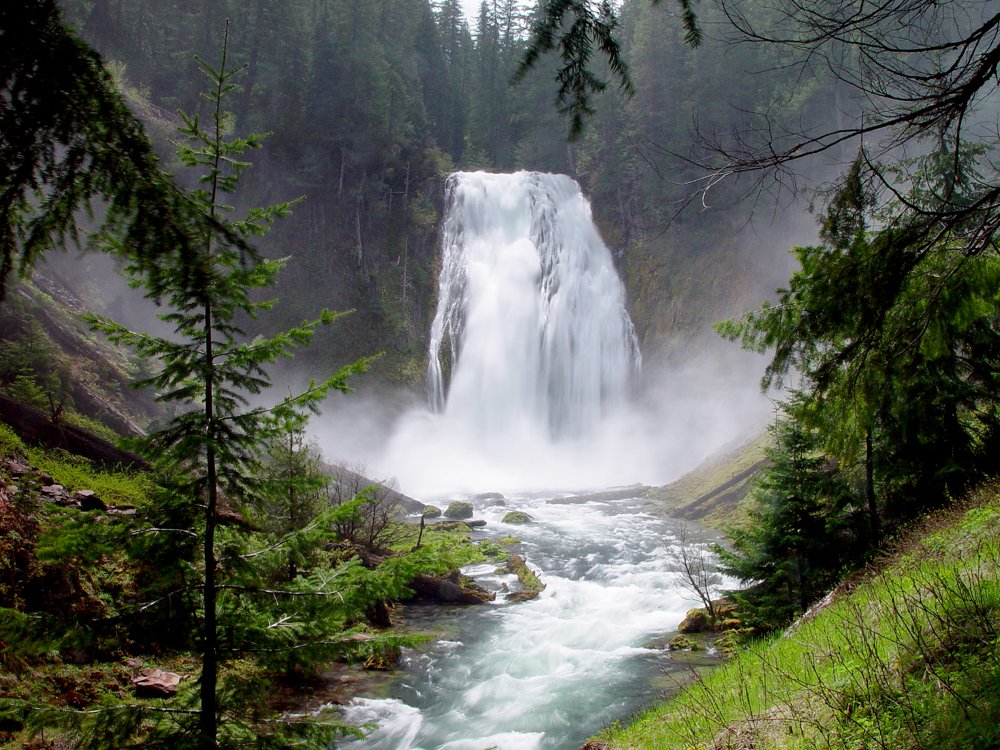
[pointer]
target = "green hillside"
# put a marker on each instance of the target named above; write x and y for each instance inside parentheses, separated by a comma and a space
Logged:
(713, 493)
(905, 655)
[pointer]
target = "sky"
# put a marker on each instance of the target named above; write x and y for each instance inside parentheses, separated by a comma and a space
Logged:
(471, 11)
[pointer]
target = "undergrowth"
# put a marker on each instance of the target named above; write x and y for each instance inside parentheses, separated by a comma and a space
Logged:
(910, 658)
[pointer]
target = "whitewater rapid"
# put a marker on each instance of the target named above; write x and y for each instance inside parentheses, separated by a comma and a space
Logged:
(549, 673)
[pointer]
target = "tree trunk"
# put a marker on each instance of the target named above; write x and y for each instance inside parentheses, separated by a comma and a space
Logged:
(208, 719)
(873, 520)
(258, 22)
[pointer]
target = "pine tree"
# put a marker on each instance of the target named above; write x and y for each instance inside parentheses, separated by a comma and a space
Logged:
(295, 489)
(800, 534)
(211, 452)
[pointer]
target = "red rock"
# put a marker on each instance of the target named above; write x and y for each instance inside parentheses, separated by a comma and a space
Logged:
(155, 683)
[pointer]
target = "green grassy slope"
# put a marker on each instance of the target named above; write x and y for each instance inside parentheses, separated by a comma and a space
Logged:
(713, 492)
(907, 656)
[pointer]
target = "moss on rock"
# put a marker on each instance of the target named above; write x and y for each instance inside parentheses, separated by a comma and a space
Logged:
(516, 516)
(459, 509)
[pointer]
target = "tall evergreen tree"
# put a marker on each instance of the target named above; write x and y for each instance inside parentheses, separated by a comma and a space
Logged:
(906, 389)
(211, 452)
(800, 534)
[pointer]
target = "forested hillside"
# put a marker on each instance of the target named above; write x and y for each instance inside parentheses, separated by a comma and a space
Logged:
(231, 553)
(370, 104)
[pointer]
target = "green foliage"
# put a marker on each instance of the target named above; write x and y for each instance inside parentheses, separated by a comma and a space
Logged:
(905, 657)
(802, 531)
(211, 453)
(574, 28)
(11, 445)
(126, 487)
(895, 338)
(70, 138)
(18, 540)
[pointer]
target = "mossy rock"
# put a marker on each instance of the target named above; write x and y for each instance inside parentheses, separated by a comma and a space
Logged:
(696, 621)
(682, 643)
(431, 511)
(492, 550)
(516, 516)
(459, 509)
(508, 540)
(728, 644)
(730, 623)
(531, 586)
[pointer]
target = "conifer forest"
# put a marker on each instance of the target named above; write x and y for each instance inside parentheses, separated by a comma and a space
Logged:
(511, 375)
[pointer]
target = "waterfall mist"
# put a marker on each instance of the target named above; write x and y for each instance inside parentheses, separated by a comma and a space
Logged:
(533, 375)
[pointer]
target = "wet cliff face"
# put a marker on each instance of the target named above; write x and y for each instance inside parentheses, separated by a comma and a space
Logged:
(698, 270)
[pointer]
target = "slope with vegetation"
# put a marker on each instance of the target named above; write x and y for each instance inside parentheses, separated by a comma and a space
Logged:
(95, 594)
(714, 493)
(904, 655)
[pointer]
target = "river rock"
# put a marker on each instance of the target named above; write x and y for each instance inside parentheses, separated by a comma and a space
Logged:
(682, 643)
(696, 621)
(477, 524)
(431, 511)
(488, 496)
(459, 509)
(517, 516)
(449, 590)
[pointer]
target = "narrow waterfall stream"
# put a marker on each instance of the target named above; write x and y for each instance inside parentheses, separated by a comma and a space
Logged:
(551, 672)
(532, 359)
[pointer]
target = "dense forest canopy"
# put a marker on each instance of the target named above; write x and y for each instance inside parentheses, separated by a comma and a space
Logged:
(369, 104)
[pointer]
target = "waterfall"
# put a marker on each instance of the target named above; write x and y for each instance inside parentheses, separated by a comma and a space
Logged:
(531, 336)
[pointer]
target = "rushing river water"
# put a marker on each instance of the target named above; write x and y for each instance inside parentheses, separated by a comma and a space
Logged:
(550, 672)
(532, 362)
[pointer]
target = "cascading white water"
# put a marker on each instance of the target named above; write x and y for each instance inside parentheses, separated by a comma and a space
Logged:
(548, 673)
(531, 358)
(531, 318)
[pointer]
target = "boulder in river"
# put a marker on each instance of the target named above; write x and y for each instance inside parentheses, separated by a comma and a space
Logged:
(516, 516)
(459, 509)
(431, 511)
(531, 586)
(696, 621)
(449, 590)
(488, 496)
(682, 643)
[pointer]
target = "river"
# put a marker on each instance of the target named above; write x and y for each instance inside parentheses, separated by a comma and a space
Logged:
(547, 673)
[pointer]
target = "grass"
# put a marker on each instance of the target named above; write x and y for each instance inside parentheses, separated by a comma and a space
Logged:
(909, 658)
(121, 487)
